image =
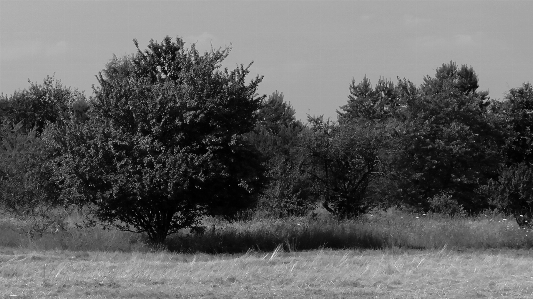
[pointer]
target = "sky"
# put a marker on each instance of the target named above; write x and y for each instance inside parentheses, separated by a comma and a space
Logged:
(308, 50)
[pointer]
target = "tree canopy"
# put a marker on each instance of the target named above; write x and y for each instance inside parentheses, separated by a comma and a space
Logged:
(164, 141)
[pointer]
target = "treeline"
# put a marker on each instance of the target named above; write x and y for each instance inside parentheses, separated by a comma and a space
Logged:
(169, 136)
(442, 147)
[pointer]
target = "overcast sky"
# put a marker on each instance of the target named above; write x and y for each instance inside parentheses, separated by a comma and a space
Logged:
(309, 50)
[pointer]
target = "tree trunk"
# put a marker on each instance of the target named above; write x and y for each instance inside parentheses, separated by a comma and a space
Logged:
(157, 236)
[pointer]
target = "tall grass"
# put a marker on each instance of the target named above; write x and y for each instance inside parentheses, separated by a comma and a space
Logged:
(381, 230)
(17, 234)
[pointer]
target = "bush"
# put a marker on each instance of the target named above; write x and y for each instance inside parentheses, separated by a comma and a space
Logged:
(34, 107)
(444, 203)
(26, 188)
(346, 160)
(277, 136)
(513, 192)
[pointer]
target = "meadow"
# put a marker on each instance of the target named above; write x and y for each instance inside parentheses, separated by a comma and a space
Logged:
(382, 255)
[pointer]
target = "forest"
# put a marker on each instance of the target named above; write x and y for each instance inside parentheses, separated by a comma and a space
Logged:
(169, 139)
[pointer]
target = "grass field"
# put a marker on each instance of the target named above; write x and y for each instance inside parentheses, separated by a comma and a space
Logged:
(380, 230)
(383, 255)
(392, 273)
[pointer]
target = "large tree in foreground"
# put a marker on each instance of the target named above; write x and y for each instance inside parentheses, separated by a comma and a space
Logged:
(164, 143)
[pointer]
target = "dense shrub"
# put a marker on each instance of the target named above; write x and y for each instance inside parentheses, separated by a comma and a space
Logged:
(278, 136)
(27, 190)
(39, 104)
(512, 192)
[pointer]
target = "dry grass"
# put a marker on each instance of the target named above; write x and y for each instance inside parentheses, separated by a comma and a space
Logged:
(484, 257)
(14, 234)
(392, 273)
(380, 230)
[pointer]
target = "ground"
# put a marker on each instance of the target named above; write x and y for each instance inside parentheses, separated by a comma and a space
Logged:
(392, 273)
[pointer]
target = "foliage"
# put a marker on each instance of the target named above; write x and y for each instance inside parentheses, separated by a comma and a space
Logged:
(289, 192)
(512, 192)
(353, 159)
(41, 103)
(26, 190)
(170, 136)
(518, 110)
(276, 114)
(378, 104)
(164, 141)
(277, 136)
(27, 186)
(345, 160)
(445, 204)
(450, 144)
(383, 110)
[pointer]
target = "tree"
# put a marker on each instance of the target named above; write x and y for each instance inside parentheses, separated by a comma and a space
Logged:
(41, 103)
(27, 186)
(378, 104)
(450, 143)
(518, 111)
(164, 142)
(512, 190)
(345, 160)
(381, 112)
(278, 137)
(276, 114)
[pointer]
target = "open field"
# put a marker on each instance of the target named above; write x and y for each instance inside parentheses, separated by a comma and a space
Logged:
(392, 273)
(384, 255)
